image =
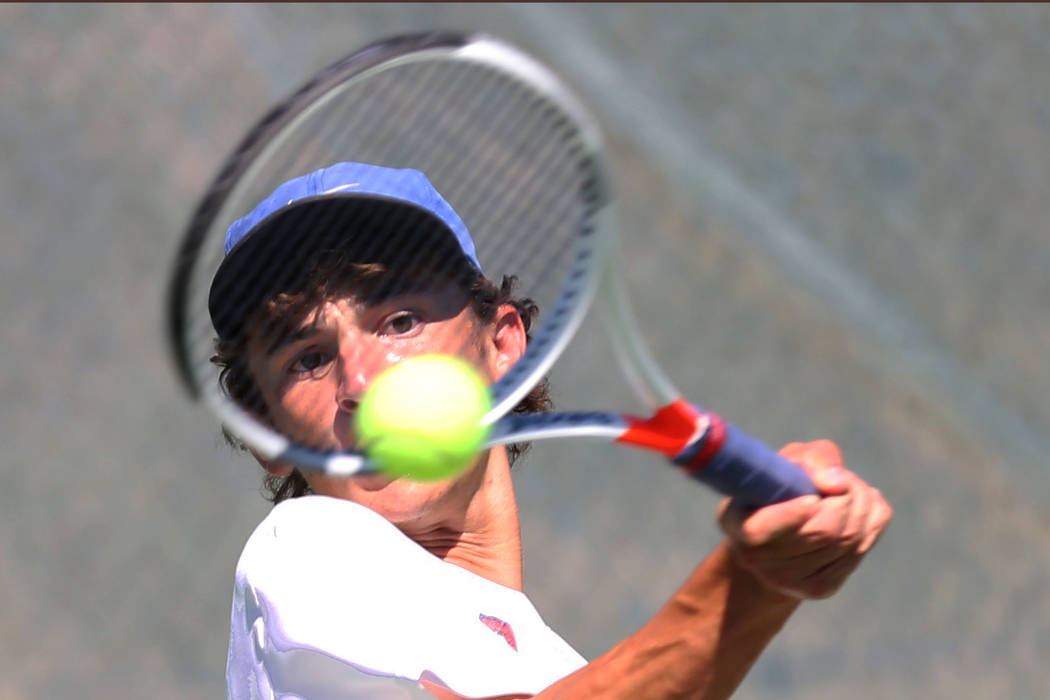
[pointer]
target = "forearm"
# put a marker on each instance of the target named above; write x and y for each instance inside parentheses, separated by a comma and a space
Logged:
(701, 644)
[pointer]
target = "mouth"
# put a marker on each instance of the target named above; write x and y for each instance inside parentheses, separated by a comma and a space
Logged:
(343, 431)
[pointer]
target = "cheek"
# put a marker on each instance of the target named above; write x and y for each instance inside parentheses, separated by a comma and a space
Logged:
(479, 354)
(447, 340)
(458, 337)
(482, 354)
(476, 345)
(305, 411)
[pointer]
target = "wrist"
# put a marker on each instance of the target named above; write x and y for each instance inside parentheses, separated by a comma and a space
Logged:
(746, 578)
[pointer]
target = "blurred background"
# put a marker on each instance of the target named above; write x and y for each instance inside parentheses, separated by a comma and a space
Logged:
(834, 219)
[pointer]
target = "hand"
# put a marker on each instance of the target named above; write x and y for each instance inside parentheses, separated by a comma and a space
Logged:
(807, 547)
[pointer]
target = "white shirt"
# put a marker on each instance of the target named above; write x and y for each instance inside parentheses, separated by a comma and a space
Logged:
(332, 601)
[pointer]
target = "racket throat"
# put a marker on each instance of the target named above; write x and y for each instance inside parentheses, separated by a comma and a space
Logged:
(681, 432)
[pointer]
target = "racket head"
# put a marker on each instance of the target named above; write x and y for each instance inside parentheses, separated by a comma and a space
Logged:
(506, 144)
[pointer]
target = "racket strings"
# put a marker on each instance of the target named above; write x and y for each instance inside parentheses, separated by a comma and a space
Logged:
(505, 156)
(505, 133)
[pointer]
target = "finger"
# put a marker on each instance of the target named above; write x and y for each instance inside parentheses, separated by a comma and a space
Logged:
(757, 527)
(820, 539)
(820, 453)
(866, 514)
(869, 514)
(829, 519)
(822, 461)
(855, 528)
(841, 526)
(831, 481)
(879, 518)
(843, 519)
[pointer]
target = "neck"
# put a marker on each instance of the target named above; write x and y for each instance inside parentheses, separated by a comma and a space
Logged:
(485, 537)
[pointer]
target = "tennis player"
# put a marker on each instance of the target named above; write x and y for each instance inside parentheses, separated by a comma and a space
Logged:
(380, 588)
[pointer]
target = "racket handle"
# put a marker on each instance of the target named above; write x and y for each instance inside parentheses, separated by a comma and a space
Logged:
(738, 465)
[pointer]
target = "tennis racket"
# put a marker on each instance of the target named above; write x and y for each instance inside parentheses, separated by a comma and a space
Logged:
(519, 162)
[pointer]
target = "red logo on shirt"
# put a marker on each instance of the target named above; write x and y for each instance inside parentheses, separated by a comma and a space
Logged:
(501, 628)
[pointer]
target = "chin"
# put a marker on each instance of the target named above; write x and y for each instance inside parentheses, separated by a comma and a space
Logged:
(402, 501)
(401, 512)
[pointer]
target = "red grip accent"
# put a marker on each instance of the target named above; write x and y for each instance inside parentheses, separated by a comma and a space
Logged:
(668, 432)
(716, 435)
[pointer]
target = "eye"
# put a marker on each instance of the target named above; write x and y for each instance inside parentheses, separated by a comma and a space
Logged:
(310, 361)
(401, 323)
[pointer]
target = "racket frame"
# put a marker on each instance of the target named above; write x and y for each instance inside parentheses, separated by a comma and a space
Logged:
(592, 243)
(700, 442)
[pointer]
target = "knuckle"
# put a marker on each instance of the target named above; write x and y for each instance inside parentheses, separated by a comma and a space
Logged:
(751, 536)
(884, 515)
(823, 444)
(850, 537)
(827, 451)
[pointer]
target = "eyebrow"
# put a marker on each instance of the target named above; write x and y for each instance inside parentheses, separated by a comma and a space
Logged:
(372, 298)
(285, 338)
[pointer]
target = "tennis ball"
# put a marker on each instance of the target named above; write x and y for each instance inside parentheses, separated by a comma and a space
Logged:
(421, 418)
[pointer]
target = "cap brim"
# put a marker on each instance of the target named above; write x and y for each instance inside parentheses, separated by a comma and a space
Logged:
(366, 228)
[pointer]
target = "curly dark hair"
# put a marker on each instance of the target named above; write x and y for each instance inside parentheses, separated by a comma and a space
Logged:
(332, 276)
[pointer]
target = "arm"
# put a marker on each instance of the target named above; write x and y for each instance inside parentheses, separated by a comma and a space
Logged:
(705, 639)
(700, 644)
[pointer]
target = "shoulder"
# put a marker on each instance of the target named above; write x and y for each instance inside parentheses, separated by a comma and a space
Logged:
(304, 518)
(321, 576)
(316, 536)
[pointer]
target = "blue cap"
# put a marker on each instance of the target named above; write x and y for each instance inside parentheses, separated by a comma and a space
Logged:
(374, 189)
(356, 179)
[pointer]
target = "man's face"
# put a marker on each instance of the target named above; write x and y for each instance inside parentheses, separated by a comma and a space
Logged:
(314, 378)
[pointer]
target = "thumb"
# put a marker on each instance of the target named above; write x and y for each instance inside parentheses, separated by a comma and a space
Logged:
(757, 527)
(830, 481)
(822, 461)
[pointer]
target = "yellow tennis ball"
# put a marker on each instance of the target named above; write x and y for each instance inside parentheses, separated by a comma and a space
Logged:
(421, 418)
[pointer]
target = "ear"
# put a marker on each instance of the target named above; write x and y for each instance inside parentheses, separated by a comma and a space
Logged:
(508, 340)
(273, 468)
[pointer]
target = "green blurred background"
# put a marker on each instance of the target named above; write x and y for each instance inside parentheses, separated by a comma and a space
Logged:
(835, 222)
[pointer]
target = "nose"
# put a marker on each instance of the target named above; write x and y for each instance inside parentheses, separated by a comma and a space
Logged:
(359, 363)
